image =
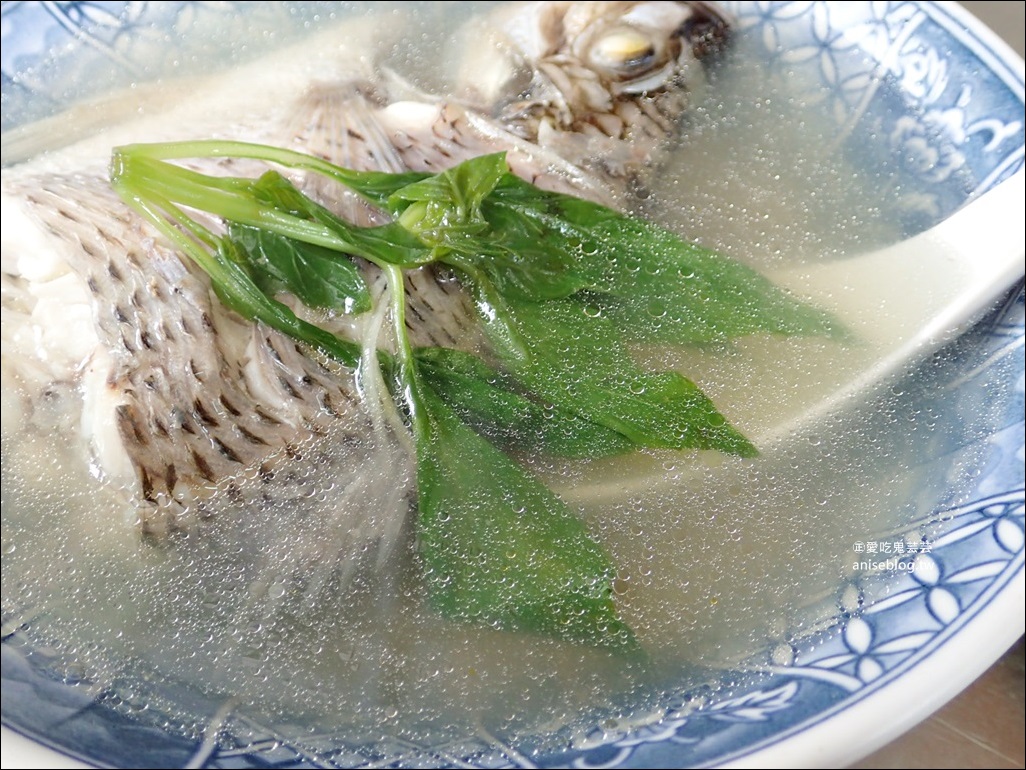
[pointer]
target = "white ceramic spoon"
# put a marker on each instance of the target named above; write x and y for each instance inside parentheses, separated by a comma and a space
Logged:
(906, 300)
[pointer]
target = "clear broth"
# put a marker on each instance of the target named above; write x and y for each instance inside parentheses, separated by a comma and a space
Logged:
(718, 557)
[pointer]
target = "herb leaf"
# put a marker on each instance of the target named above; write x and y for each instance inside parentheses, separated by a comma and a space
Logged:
(568, 354)
(654, 286)
(499, 549)
(319, 277)
(390, 243)
(458, 191)
(453, 212)
(657, 288)
(495, 407)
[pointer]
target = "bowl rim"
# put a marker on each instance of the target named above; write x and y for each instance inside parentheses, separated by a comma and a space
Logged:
(880, 712)
(911, 693)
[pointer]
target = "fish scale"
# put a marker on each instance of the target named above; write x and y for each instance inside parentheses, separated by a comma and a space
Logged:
(181, 397)
(196, 393)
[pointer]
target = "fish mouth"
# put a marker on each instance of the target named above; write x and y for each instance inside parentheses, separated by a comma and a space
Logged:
(645, 46)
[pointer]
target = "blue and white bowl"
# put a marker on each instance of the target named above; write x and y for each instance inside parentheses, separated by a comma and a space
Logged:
(942, 95)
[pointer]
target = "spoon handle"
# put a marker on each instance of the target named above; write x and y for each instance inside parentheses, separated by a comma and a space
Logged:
(905, 301)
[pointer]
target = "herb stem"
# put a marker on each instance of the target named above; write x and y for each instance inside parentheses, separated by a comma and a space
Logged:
(229, 280)
(407, 383)
(373, 186)
(234, 202)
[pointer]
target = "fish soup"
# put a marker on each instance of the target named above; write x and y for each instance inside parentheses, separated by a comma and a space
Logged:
(250, 613)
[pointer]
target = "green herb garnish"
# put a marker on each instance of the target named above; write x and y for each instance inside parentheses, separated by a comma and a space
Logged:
(562, 287)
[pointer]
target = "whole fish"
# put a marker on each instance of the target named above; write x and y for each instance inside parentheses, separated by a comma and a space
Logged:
(192, 410)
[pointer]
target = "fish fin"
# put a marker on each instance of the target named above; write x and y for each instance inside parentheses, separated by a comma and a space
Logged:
(340, 122)
(435, 136)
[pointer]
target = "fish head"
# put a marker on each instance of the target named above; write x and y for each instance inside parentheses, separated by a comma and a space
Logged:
(567, 74)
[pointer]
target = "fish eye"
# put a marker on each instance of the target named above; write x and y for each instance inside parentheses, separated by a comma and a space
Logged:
(624, 51)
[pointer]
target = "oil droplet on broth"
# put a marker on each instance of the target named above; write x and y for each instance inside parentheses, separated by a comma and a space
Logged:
(717, 556)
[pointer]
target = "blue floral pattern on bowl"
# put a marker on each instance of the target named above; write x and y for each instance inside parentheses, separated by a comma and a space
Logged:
(882, 65)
